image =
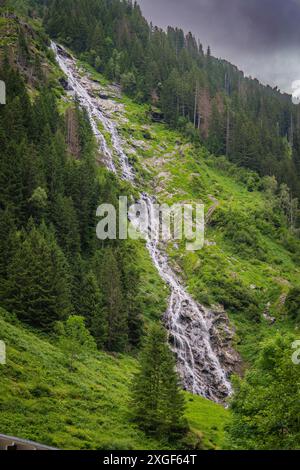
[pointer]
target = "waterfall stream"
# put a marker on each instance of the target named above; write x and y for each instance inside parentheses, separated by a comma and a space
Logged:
(188, 323)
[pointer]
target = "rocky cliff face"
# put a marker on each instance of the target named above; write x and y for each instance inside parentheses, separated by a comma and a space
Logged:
(222, 335)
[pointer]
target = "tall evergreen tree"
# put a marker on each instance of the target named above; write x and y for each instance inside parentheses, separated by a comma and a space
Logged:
(131, 280)
(89, 304)
(7, 232)
(38, 285)
(158, 402)
(117, 337)
(65, 221)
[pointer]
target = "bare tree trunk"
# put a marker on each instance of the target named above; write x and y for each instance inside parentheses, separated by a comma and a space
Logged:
(72, 133)
(196, 105)
(227, 132)
(278, 129)
(292, 132)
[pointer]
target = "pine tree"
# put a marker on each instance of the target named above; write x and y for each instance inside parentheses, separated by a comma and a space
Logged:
(38, 287)
(88, 303)
(7, 232)
(117, 337)
(292, 304)
(65, 221)
(158, 402)
(131, 281)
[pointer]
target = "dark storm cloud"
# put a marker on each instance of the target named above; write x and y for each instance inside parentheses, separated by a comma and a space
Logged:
(260, 36)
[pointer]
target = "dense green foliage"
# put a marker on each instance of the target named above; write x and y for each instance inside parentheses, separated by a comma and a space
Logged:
(56, 276)
(255, 126)
(158, 403)
(71, 398)
(75, 340)
(38, 286)
(51, 262)
(266, 406)
(292, 304)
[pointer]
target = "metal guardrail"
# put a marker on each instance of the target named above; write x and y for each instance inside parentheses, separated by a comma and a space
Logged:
(14, 443)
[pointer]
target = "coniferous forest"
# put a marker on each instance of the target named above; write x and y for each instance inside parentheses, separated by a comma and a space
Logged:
(88, 345)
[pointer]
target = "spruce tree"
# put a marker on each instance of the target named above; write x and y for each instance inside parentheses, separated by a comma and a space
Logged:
(131, 281)
(38, 286)
(66, 224)
(158, 402)
(117, 337)
(89, 304)
(7, 232)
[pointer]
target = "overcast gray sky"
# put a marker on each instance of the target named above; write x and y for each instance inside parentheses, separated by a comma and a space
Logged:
(261, 37)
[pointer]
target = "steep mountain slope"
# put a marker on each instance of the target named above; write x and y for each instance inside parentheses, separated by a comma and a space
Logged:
(87, 408)
(255, 126)
(188, 323)
(250, 258)
(248, 265)
(152, 294)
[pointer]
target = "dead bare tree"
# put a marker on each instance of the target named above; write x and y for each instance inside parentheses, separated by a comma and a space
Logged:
(72, 133)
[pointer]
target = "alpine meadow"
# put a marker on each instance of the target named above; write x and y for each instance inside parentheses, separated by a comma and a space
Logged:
(137, 342)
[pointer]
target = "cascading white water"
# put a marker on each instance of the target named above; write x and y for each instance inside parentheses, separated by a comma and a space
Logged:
(188, 323)
(77, 88)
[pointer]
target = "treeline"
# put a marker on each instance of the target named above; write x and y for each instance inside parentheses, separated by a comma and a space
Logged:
(51, 263)
(254, 125)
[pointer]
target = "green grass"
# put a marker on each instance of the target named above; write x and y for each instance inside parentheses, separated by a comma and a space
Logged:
(210, 418)
(89, 408)
(93, 73)
(175, 170)
(85, 409)
(8, 32)
(183, 172)
(153, 291)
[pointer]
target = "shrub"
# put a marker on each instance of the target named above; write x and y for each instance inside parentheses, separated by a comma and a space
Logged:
(292, 304)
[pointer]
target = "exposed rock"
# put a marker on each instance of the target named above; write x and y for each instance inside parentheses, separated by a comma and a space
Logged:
(222, 337)
(65, 84)
(165, 175)
(209, 243)
(63, 52)
(140, 144)
(267, 315)
(156, 115)
(104, 96)
(282, 299)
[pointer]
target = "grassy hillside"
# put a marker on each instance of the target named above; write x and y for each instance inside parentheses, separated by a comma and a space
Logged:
(85, 409)
(249, 264)
(250, 260)
(41, 399)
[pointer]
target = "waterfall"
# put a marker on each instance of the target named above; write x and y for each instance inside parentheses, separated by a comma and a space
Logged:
(188, 323)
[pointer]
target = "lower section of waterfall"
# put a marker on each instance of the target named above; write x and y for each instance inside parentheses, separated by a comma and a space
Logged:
(193, 334)
(199, 337)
